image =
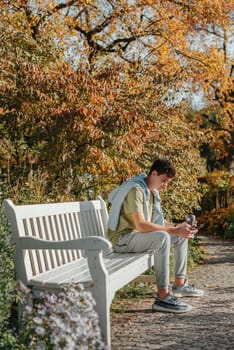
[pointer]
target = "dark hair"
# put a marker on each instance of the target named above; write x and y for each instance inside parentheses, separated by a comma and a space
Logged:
(163, 166)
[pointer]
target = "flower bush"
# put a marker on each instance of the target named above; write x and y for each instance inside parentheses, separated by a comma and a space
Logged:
(218, 222)
(65, 321)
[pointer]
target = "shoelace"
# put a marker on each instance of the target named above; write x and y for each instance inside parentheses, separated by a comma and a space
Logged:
(190, 286)
(174, 299)
(171, 297)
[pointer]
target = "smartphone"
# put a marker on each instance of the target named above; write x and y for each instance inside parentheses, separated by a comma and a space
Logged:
(191, 220)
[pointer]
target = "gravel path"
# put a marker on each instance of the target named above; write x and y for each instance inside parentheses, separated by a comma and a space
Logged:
(208, 326)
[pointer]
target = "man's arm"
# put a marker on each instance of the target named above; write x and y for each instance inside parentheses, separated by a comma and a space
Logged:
(141, 225)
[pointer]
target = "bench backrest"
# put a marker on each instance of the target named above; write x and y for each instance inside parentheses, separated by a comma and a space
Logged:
(57, 222)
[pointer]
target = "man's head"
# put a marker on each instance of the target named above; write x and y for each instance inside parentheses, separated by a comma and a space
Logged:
(163, 166)
(161, 173)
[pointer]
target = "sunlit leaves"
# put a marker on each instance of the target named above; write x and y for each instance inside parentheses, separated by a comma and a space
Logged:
(90, 90)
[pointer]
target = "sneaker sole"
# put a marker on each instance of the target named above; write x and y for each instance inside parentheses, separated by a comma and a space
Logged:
(174, 311)
(181, 295)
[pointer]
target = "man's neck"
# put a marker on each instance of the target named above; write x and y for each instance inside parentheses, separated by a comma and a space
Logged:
(147, 181)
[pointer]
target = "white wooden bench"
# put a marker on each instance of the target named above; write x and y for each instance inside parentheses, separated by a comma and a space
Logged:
(60, 243)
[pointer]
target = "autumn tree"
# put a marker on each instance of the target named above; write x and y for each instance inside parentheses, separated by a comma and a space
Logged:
(120, 101)
(58, 122)
(171, 45)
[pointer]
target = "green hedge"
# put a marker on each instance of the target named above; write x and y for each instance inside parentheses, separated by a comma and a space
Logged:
(8, 337)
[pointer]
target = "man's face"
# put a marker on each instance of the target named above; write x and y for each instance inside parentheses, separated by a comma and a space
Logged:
(160, 182)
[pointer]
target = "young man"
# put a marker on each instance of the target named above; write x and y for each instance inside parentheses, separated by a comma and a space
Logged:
(136, 224)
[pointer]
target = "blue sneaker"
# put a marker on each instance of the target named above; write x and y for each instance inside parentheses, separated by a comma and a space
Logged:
(186, 290)
(170, 304)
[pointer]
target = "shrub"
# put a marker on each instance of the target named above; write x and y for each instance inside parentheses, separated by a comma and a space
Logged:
(7, 286)
(215, 189)
(65, 321)
(196, 253)
(218, 222)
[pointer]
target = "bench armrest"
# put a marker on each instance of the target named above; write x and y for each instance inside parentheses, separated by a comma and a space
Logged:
(86, 243)
(93, 245)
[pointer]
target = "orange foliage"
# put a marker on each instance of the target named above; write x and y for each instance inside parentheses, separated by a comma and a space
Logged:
(90, 88)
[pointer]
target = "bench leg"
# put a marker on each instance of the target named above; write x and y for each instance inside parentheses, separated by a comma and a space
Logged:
(103, 310)
(101, 293)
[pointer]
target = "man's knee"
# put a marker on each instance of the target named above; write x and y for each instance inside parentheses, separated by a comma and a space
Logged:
(162, 239)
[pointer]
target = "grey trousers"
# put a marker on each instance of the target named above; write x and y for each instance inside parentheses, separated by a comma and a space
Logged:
(160, 242)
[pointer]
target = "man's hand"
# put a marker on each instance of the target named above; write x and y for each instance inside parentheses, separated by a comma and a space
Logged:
(185, 230)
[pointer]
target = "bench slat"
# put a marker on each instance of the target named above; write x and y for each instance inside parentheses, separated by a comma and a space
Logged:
(117, 265)
(65, 274)
(50, 209)
(60, 227)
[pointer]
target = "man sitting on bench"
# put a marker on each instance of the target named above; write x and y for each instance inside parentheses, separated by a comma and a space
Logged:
(136, 224)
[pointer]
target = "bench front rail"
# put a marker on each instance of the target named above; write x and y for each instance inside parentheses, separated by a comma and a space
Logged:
(60, 243)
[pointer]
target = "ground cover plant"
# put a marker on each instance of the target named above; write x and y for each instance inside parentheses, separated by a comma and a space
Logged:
(66, 321)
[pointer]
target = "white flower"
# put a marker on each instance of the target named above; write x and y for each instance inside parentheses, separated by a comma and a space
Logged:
(40, 331)
(69, 319)
(38, 320)
(28, 309)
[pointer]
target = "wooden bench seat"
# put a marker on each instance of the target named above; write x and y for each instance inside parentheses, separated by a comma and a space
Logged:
(60, 243)
(115, 264)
